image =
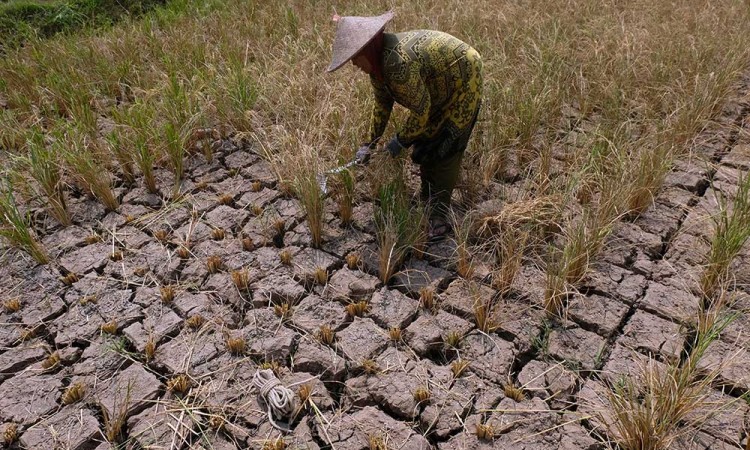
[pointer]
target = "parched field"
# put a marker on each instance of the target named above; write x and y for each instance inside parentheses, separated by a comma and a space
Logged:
(164, 237)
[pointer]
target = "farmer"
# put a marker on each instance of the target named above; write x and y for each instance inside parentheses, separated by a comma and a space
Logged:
(434, 75)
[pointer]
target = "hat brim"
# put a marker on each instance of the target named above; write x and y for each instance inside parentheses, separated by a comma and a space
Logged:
(353, 34)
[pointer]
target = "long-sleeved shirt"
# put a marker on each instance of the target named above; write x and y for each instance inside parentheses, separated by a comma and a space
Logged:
(434, 75)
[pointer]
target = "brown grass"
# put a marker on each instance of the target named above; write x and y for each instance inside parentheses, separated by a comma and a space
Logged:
(510, 247)
(458, 367)
(109, 327)
(484, 317)
(285, 256)
(114, 421)
(167, 293)
(51, 361)
(149, 350)
(513, 392)
(556, 289)
(370, 367)
(93, 239)
(274, 444)
(485, 432)
(283, 311)
(69, 279)
(195, 322)
(116, 255)
(161, 235)
(422, 394)
(394, 334)
(272, 365)
(309, 192)
(620, 67)
(179, 383)
(462, 225)
(183, 252)
(12, 305)
(27, 334)
(216, 422)
(10, 435)
(225, 199)
(320, 276)
(326, 335)
(73, 393)
(427, 298)
(241, 279)
(304, 392)
(453, 339)
(214, 264)
(218, 234)
(236, 345)
(357, 309)
(247, 244)
(376, 442)
(353, 261)
(665, 401)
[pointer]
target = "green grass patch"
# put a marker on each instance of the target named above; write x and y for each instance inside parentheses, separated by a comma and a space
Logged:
(25, 20)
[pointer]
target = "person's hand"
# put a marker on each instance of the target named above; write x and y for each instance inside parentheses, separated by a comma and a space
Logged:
(363, 154)
(394, 147)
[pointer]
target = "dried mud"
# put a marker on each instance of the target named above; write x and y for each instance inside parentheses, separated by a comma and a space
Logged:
(635, 302)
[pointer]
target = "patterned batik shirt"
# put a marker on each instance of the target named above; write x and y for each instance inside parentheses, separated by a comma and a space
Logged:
(434, 75)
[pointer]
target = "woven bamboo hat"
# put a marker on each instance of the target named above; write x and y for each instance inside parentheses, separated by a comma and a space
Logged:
(353, 33)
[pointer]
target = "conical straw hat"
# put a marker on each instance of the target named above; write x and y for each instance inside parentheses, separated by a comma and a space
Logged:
(353, 33)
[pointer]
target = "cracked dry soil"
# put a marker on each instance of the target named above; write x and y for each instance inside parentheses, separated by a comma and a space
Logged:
(167, 313)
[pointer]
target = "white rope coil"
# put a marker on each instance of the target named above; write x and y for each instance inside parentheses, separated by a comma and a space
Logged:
(278, 398)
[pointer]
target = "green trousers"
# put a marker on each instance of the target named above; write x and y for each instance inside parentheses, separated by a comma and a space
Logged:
(438, 181)
(440, 162)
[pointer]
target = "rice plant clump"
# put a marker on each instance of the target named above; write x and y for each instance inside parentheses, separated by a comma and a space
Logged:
(195, 322)
(43, 165)
(236, 345)
(395, 334)
(513, 392)
(398, 227)
(353, 261)
(285, 256)
(167, 293)
(458, 367)
(344, 193)
(12, 305)
(422, 394)
(485, 432)
(509, 251)
(665, 401)
(88, 169)
(731, 232)
(15, 228)
(180, 383)
(214, 264)
(149, 350)
(427, 298)
(326, 335)
(51, 361)
(357, 309)
(308, 191)
(73, 393)
(10, 435)
(241, 279)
